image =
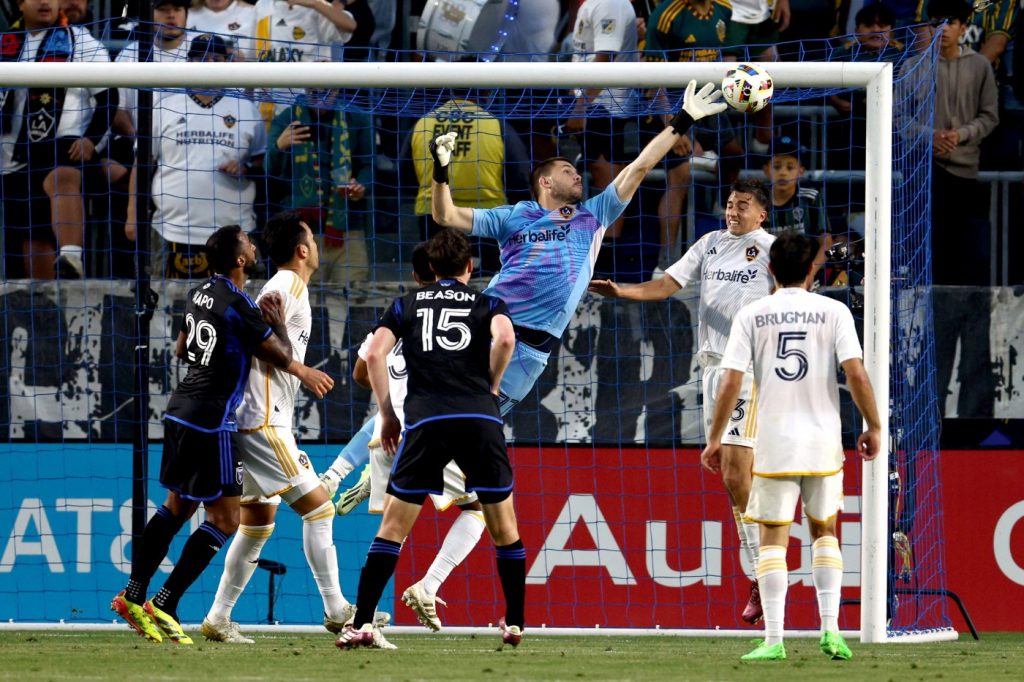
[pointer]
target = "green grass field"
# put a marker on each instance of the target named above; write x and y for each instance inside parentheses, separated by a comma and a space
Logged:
(40, 655)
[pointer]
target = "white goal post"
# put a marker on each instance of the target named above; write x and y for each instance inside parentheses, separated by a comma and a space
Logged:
(876, 78)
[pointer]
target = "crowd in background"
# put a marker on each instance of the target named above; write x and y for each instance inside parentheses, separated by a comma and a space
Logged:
(68, 172)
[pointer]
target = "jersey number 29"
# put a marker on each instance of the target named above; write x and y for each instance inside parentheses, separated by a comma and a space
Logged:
(445, 324)
(205, 336)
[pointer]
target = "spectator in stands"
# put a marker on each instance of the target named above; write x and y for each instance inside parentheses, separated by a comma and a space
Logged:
(360, 47)
(233, 20)
(319, 162)
(756, 23)
(207, 148)
(689, 31)
(966, 111)
(384, 22)
(47, 135)
(489, 165)
(531, 37)
(298, 31)
(605, 31)
(991, 29)
(77, 11)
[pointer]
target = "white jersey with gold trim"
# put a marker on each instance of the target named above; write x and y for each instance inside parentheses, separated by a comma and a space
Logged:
(269, 398)
(294, 33)
(397, 382)
(732, 271)
(235, 23)
(795, 340)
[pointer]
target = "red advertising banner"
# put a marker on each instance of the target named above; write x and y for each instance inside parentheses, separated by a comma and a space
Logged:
(644, 538)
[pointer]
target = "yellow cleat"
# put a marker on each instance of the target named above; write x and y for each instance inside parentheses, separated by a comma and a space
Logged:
(168, 625)
(136, 617)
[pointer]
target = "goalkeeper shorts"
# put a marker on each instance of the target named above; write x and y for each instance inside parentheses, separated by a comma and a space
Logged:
(773, 500)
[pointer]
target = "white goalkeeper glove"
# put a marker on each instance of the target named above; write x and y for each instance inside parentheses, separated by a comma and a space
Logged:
(697, 105)
(441, 148)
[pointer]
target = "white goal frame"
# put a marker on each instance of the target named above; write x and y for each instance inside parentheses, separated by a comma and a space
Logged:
(876, 78)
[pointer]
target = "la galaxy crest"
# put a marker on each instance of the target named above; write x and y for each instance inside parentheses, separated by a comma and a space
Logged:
(230, 121)
(752, 253)
(566, 212)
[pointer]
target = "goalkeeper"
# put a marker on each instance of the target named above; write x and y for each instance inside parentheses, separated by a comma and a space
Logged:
(549, 246)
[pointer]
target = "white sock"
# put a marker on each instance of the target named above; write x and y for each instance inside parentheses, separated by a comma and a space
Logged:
(239, 565)
(827, 568)
(773, 580)
(460, 541)
(339, 469)
(750, 537)
(318, 544)
(71, 250)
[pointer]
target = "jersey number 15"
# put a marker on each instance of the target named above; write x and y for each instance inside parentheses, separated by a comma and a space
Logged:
(446, 323)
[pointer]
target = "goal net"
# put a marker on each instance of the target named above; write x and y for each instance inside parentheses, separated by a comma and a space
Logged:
(622, 526)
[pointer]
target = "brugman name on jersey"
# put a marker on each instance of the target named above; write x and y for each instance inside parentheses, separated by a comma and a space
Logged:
(549, 235)
(445, 294)
(741, 276)
(789, 317)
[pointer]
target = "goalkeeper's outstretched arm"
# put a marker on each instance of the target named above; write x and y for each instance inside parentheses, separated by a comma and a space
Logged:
(696, 105)
(442, 207)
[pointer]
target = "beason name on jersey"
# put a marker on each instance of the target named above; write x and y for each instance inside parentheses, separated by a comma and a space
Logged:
(732, 271)
(222, 328)
(445, 331)
(270, 392)
(796, 341)
(547, 257)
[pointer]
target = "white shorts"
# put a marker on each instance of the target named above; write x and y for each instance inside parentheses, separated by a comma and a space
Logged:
(274, 465)
(773, 500)
(380, 471)
(742, 426)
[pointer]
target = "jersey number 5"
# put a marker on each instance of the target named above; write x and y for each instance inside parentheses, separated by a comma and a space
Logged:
(786, 351)
(446, 323)
(205, 336)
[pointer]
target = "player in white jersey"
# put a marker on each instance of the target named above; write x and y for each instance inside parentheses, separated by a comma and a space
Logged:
(465, 532)
(794, 339)
(275, 467)
(233, 20)
(731, 268)
(298, 31)
(549, 246)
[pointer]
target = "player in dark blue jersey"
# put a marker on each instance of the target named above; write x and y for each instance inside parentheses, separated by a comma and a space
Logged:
(549, 246)
(457, 344)
(221, 330)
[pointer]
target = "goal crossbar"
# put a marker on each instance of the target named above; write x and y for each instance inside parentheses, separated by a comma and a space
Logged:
(875, 77)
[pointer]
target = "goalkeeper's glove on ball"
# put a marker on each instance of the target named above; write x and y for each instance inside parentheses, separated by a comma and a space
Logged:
(441, 149)
(697, 105)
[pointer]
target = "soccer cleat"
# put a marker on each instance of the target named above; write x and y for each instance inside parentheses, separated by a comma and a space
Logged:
(766, 652)
(834, 646)
(168, 625)
(354, 496)
(136, 617)
(68, 266)
(368, 636)
(752, 612)
(336, 625)
(417, 599)
(510, 634)
(225, 630)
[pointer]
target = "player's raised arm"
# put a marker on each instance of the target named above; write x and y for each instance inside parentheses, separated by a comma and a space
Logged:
(442, 207)
(377, 366)
(696, 105)
(651, 290)
(503, 342)
(870, 441)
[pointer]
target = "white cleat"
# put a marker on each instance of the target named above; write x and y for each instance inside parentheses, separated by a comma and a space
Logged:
(416, 598)
(348, 613)
(224, 631)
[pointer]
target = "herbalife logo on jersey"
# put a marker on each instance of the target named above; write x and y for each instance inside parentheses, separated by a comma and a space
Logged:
(557, 233)
(304, 338)
(740, 276)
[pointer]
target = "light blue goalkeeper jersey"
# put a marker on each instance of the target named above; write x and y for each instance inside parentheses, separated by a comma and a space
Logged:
(547, 257)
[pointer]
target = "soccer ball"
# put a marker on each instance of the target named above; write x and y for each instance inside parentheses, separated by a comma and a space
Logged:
(747, 88)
